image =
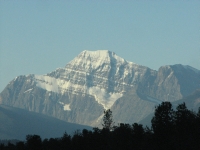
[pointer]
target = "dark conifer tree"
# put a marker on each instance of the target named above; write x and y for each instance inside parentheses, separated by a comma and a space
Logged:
(66, 141)
(163, 125)
(138, 135)
(186, 127)
(34, 142)
(108, 120)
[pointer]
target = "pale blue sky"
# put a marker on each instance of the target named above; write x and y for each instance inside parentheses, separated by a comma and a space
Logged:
(38, 36)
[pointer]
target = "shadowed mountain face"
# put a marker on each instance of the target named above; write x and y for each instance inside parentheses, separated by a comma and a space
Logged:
(192, 102)
(17, 123)
(98, 80)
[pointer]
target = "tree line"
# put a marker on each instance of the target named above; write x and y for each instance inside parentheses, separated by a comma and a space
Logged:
(177, 129)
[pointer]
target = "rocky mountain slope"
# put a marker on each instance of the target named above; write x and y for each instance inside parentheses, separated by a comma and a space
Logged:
(192, 102)
(98, 80)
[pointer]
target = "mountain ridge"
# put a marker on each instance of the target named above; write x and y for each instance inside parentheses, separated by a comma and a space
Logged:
(98, 80)
(16, 123)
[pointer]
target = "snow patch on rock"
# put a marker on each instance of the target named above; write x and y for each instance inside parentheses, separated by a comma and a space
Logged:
(67, 107)
(27, 90)
(61, 86)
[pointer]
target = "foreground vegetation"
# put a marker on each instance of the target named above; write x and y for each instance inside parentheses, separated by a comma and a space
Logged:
(170, 129)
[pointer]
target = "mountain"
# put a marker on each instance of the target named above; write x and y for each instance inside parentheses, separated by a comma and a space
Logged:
(98, 80)
(192, 102)
(17, 123)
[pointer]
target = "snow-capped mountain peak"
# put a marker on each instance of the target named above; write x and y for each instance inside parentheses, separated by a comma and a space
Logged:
(101, 74)
(94, 59)
(100, 54)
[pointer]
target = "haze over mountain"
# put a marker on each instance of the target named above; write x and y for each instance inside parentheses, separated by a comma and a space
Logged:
(98, 80)
(17, 123)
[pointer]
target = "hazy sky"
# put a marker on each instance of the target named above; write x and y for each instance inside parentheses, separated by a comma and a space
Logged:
(38, 36)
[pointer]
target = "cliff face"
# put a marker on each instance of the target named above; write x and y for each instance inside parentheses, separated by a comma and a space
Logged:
(98, 80)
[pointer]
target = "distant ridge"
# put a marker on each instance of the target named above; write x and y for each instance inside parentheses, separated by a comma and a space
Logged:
(17, 123)
(192, 101)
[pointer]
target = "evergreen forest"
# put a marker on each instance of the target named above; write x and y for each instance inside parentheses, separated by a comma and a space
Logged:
(171, 129)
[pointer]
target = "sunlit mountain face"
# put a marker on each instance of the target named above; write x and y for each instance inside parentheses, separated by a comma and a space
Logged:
(98, 80)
